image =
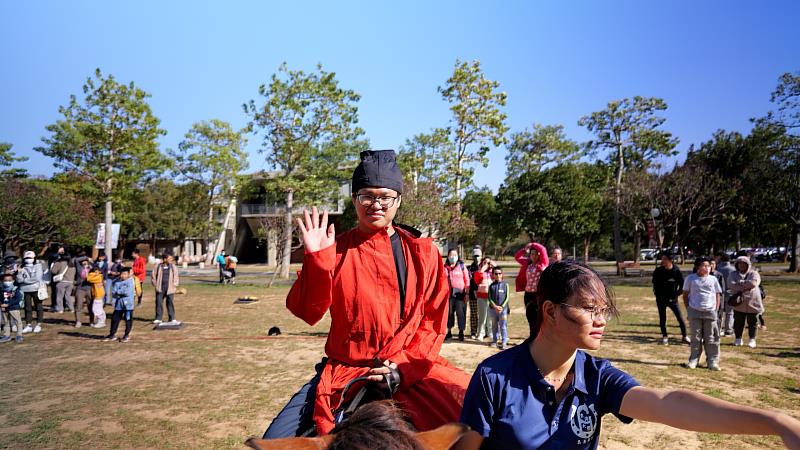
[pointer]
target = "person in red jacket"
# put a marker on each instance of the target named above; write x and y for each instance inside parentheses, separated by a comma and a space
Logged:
(139, 273)
(532, 260)
(387, 292)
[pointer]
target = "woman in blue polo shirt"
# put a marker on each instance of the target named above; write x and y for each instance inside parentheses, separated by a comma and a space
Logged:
(548, 394)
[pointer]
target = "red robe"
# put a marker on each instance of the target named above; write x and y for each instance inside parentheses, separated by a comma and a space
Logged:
(356, 279)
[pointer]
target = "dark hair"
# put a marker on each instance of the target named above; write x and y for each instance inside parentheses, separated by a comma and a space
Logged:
(452, 250)
(724, 257)
(561, 281)
(700, 260)
(667, 255)
(8, 274)
(124, 269)
(375, 426)
(497, 269)
(136, 251)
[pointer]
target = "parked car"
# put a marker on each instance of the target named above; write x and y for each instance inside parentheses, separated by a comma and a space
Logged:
(648, 254)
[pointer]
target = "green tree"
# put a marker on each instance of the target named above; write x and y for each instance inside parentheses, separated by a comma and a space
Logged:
(7, 158)
(628, 131)
(212, 154)
(38, 212)
(782, 128)
(109, 138)
(532, 150)
(308, 124)
(480, 206)
(168, 210)
(563, 202)
(478, 122)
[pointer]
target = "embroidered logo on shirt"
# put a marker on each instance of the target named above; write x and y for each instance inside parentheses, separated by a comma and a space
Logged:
(583, 420)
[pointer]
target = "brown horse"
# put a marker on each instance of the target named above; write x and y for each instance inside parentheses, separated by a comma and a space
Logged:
(378, 426)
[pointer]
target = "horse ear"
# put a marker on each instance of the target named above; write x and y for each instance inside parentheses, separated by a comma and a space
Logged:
(296, 443)
(451, 435)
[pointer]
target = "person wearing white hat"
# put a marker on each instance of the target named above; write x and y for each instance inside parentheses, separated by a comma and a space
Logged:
(29, 279)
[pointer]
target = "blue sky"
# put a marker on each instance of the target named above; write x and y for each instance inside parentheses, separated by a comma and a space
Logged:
(714, 62)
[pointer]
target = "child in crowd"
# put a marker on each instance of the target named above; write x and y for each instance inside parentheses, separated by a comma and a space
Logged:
(498, 308)
(701, 294)
(96, 279)
(12, 302)
(139, 272)
(123, 290)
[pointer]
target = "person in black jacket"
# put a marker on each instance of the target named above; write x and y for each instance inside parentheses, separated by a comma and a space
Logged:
(667, 286)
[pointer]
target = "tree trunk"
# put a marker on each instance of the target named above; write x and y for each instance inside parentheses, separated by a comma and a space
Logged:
(794, 263)
(586, 242)
(738, 237)
(617, 200)
(637, 243)
(287, 238)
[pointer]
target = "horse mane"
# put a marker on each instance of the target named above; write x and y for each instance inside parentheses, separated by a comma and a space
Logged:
(375, 426)
(379, 425)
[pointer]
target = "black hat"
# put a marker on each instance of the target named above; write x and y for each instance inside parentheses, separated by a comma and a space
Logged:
(378, 168)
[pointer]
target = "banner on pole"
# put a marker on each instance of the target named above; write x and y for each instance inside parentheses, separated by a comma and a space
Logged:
(100, 242)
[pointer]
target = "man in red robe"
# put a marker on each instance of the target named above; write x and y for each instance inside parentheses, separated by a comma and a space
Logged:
(387, 292)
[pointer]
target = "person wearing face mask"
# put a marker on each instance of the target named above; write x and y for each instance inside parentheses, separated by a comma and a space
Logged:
(83, 289)
(29, 279)
(12, 301)
(458, 278)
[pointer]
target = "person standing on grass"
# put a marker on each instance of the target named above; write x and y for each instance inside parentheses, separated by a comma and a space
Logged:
(221, 260)
(63, 280)
(458, 279)
(532, 260)
(473, 289)
(83, 289)
(701, 294)
(498, 308)
(165, 281)
(386, 290)
(725, 268)
(548, 393)
(483, 278)
(139, 273)
(744, 282)
(13, 300)
(123, 290)
(667, 286)
(96, 279)
(29, 279)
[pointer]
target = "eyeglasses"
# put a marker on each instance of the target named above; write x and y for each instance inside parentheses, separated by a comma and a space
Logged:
(594, 312)
(369, 200)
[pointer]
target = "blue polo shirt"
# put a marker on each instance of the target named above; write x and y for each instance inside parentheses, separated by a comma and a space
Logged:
(511, 405)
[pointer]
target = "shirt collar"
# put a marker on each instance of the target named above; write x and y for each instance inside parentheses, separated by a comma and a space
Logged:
(537, 379)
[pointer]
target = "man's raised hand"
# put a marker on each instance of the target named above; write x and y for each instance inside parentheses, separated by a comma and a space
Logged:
(317, 235)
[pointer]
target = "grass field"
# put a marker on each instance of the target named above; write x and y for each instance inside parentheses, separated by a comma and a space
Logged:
(221, 379)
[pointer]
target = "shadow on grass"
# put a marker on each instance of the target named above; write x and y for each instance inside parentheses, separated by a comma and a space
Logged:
(308, 334)
(783, 354)
(59, 321)
(635, 338)
(647, 363)
(77, 334)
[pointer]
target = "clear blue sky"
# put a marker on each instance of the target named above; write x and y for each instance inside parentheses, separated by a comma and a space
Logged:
(714, 62)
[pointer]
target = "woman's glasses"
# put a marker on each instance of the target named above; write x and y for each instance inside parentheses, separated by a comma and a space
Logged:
(594, 312)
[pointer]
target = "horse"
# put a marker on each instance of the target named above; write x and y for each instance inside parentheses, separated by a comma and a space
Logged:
(378, 425)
